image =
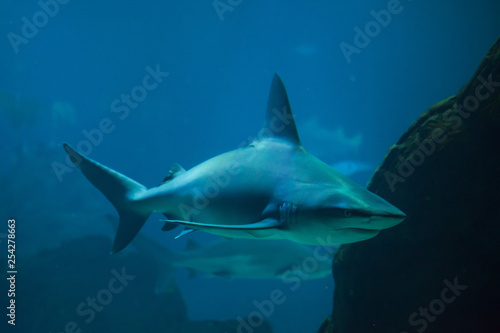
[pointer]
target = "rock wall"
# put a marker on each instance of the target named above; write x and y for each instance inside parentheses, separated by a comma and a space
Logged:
(438, 271)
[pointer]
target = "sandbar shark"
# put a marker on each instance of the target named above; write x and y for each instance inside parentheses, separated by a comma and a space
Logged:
(271, 188)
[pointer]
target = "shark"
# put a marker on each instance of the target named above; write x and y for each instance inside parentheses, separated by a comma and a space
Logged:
(234, 259)
(270, 188)
(254, 259)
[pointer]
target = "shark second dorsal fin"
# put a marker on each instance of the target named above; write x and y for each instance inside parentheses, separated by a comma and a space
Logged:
(174, 171)
(279, 121)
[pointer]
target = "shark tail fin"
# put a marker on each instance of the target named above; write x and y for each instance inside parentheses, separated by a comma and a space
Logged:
(119, 190)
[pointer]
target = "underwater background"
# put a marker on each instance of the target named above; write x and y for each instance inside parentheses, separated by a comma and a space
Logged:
(61, 77)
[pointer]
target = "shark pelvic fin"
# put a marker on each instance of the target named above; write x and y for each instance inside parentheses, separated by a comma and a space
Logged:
(120, 191)
(279, 121)
(184, 232)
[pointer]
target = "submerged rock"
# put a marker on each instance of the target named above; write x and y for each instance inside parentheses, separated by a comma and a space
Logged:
(78, 287)
(438, 271)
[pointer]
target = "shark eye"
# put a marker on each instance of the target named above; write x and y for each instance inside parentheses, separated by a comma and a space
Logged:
(347, 213)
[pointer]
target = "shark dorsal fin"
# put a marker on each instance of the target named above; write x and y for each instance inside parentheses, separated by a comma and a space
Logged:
(174, 171)
(279, 118)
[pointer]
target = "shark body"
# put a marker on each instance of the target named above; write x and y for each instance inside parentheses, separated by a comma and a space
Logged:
(270, 189)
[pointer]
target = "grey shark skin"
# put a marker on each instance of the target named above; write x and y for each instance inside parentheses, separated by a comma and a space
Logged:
(270, 189)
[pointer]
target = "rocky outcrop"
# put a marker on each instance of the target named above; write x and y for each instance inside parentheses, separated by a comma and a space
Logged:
(438, 271)
(78, 287)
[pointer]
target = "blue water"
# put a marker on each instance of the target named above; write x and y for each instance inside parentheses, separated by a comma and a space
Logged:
(349, 106)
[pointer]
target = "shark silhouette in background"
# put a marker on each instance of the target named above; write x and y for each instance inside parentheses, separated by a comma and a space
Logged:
(329, 142)
(252, 259)
(352, 167)
(270, 189)
(235, 259)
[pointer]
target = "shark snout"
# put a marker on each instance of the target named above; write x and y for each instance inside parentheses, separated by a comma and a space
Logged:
(386, 218)
(386, 221)
(381, 213)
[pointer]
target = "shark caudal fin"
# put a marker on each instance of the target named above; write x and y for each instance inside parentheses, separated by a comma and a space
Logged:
(120, 191)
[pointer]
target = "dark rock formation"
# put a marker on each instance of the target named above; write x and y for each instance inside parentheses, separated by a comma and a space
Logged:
(438, 271)
(78, 287)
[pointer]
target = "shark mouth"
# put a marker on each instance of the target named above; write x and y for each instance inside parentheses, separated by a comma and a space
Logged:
(366, 232)
(360, 233)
